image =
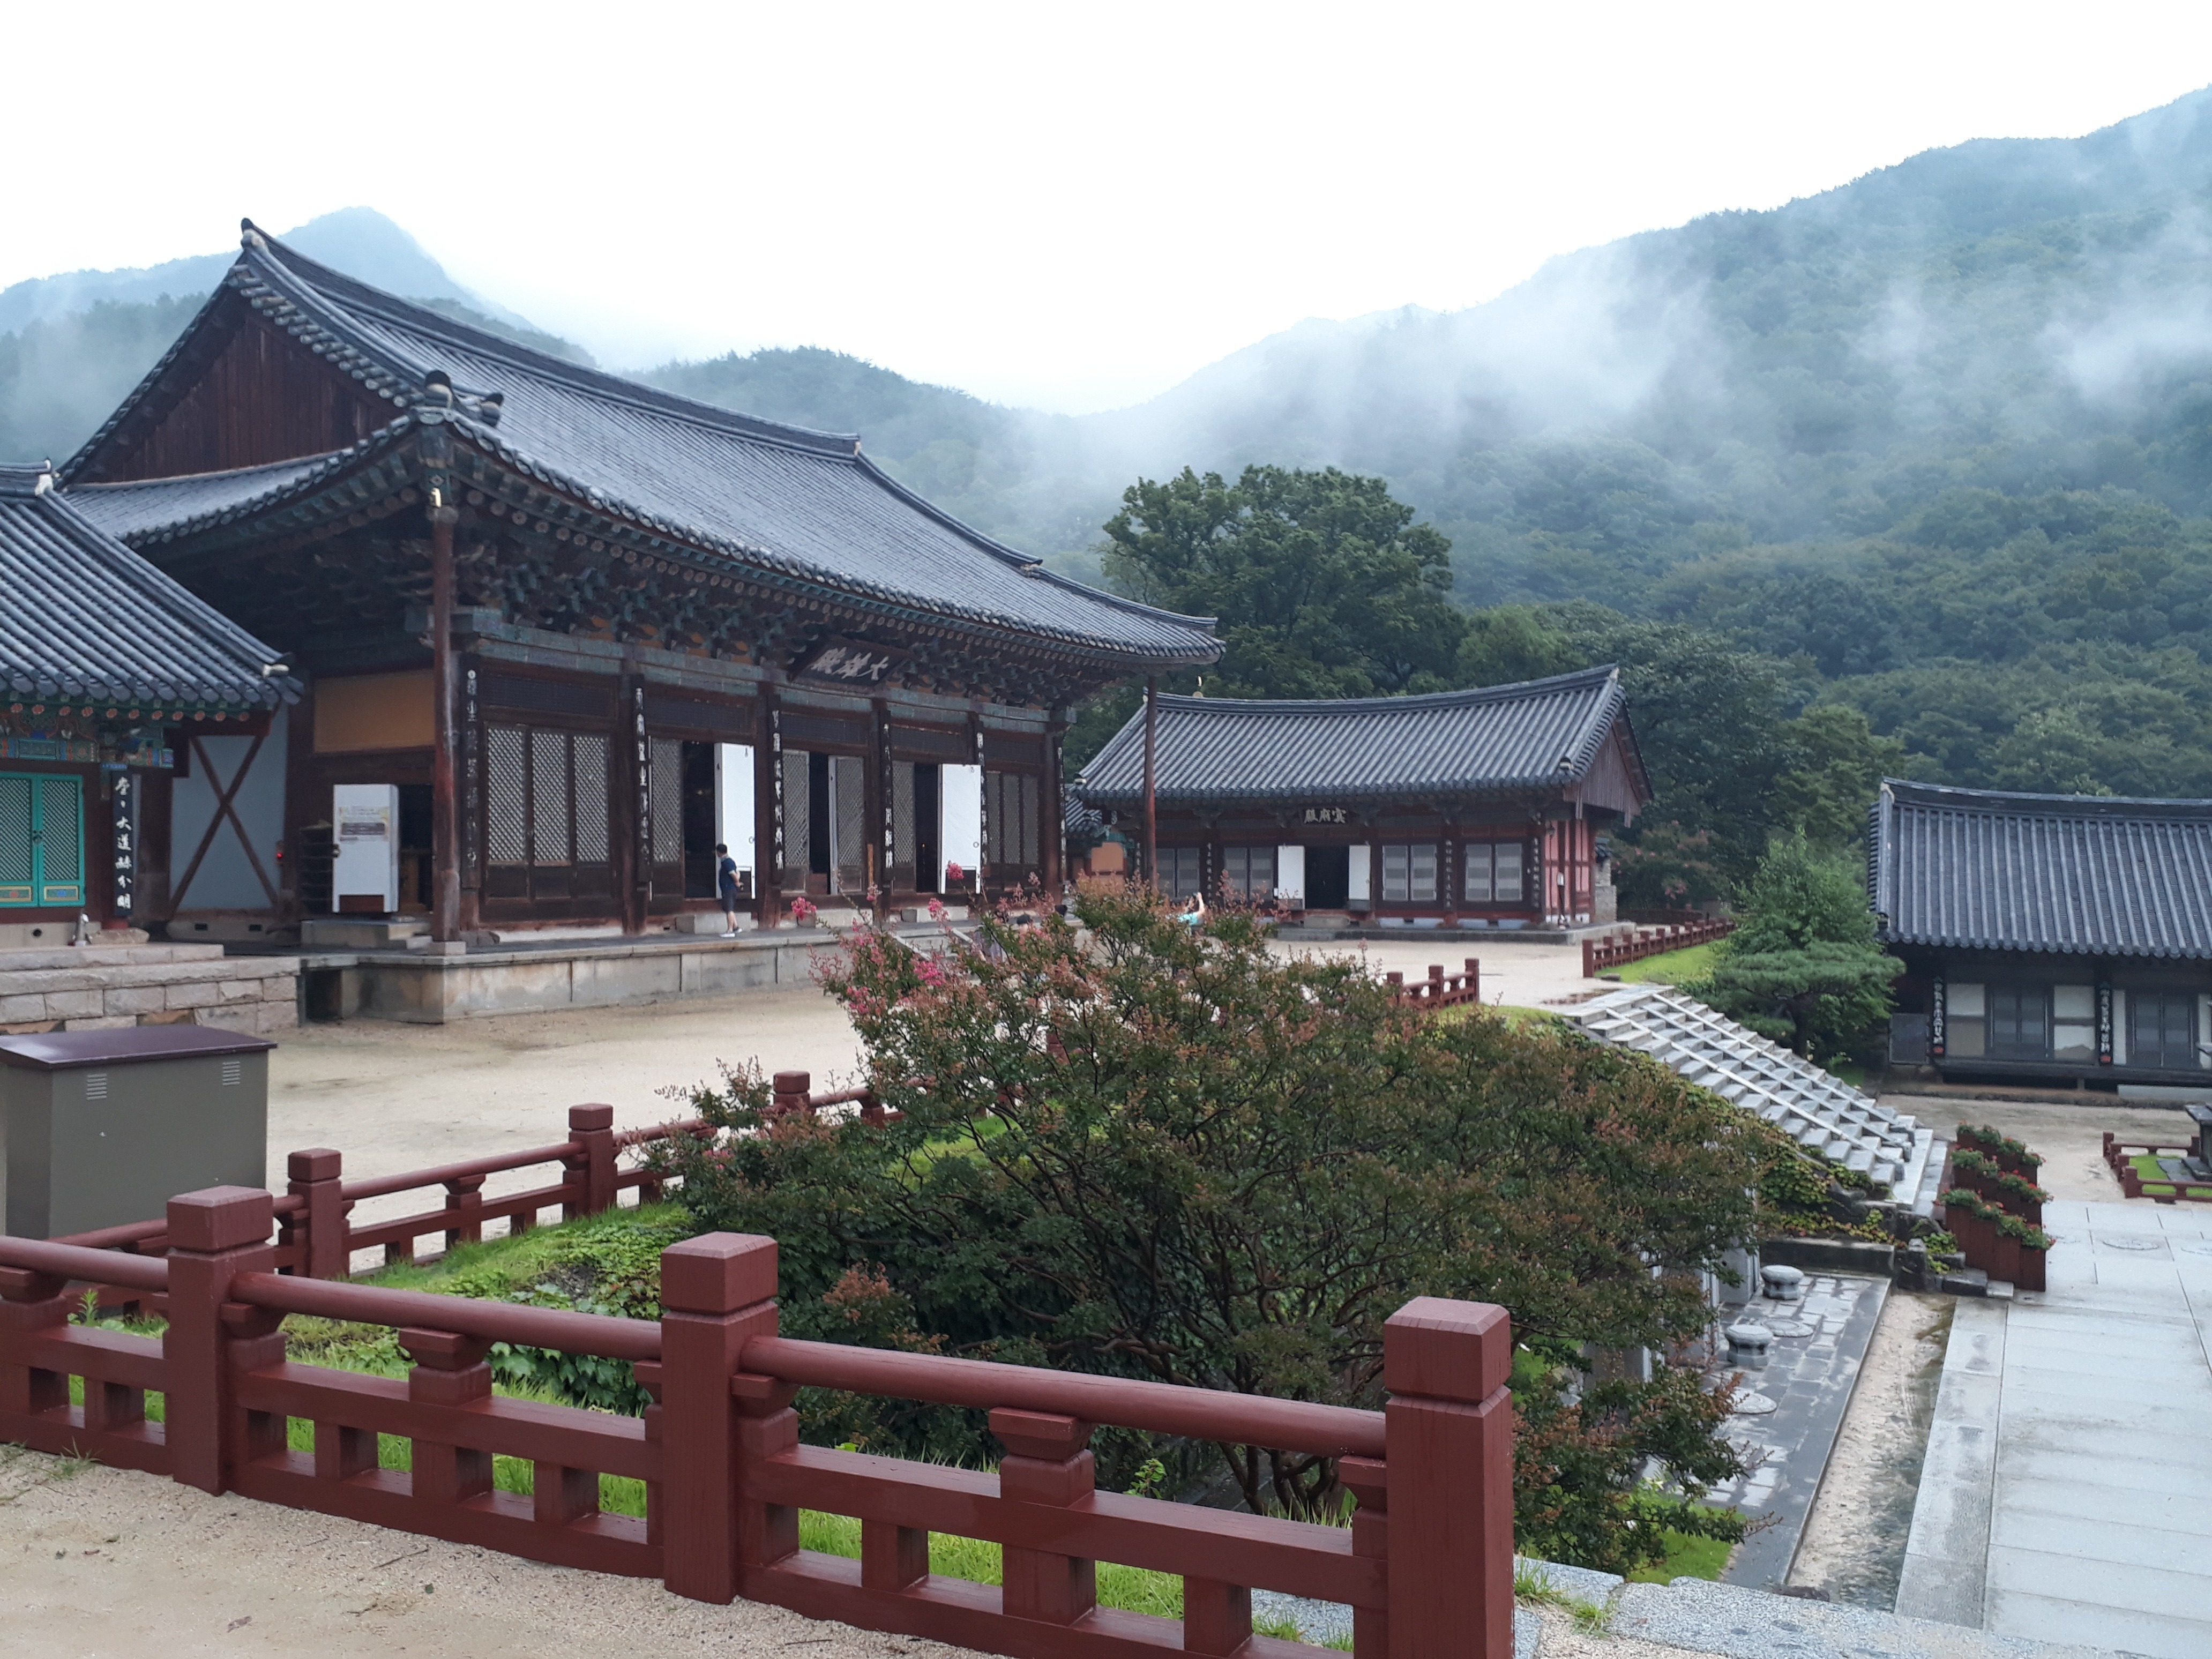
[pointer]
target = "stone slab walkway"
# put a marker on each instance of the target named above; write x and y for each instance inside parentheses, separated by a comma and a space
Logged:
(1819, 1345)
(2069, 1473)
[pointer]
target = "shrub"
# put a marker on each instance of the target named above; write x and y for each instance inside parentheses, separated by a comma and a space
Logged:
(1127, 1146)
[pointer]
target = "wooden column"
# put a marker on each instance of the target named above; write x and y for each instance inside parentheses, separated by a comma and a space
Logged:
(634, 821)
(1052, 834)
(882, 833)
(768, 812)
(1151, 781)
(445, 818)
(470, 791)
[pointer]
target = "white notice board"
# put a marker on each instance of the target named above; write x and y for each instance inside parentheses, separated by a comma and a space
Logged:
(960, 822)
(365, 823)
(733, 801)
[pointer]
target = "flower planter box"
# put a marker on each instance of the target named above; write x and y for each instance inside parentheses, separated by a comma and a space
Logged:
(2004, 1261)
(2030, 1276)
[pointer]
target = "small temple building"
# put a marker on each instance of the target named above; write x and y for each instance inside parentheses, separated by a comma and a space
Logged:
(2061, 937)
(557, 635)
(116, 676)
(1463, 808)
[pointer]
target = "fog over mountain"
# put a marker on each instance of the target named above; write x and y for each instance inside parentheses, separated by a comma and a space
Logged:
(2014, 314)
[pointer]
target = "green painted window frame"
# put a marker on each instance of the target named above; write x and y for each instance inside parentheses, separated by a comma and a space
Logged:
(40, 893)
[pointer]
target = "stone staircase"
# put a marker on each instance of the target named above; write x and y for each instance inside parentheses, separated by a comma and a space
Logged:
(1823, 1114)
(94, 987)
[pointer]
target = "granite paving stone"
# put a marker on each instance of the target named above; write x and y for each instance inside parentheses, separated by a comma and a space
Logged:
(2080, 1432)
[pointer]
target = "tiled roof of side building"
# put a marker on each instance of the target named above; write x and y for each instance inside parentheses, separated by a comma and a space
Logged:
(1500, 739)
(806, 503)
(87, 617)
(2085, 875)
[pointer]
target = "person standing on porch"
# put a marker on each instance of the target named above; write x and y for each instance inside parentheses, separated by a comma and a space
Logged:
(726, 879)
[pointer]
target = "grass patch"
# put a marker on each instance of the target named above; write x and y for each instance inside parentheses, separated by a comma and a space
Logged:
(1670, 967)
(1687, 1557)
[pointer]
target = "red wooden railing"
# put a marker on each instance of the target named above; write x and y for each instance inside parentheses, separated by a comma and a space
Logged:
(1426, 1564)
(1440, 989)
(2120, 1156)
(317, 1237)
(1599, 954)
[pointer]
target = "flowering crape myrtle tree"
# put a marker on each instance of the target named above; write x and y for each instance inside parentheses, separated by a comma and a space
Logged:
(1126, 1146)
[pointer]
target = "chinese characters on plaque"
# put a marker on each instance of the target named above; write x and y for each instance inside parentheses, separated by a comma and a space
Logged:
(1328, 815)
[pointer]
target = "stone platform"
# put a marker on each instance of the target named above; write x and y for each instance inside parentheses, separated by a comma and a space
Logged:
(100, 986)
(416, 988)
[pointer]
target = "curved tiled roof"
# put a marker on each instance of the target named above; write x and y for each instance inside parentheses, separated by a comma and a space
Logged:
(1500, 739)
(155, 508)
(808, 504)
(2085, 875)
(87, 617)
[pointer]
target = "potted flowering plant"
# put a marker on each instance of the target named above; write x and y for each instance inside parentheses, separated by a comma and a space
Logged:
(804, 910)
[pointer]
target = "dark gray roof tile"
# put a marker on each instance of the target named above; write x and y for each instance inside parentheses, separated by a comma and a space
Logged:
(1501, 739)
(806, 503)
(2083, 875)
(86, 618)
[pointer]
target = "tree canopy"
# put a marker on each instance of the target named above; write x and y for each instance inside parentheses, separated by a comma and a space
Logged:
(1124, 1147)
(1323, 584)
(1804, 965)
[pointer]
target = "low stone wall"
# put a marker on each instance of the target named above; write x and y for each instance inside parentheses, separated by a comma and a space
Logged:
(97, 987)
(418, 989)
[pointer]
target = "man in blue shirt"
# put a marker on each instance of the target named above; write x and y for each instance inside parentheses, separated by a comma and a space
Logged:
(726, 879)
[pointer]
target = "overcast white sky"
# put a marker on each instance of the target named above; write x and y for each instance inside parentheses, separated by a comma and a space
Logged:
(1067, 206)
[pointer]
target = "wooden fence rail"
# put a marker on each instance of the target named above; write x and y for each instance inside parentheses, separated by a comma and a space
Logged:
(1440, 989)
(317, 1237)
(1599, 954)
(1426, 1564)
(2120, 1156)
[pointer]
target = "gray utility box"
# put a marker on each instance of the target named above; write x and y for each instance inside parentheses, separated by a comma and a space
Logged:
(98, 1129)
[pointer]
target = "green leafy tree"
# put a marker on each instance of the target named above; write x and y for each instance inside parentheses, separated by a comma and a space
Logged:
(1323, 585)
(1803, 966)
(1838, 766)
(1125, 1148)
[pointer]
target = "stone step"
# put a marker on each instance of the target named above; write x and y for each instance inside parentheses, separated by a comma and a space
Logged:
(46, 959)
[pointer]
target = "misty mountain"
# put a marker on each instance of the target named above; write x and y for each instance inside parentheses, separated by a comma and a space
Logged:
(72, 345)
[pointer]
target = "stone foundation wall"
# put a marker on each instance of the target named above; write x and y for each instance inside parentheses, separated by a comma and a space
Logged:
(96, 988)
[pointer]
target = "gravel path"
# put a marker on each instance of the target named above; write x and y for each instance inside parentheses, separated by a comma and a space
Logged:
(103, 1562)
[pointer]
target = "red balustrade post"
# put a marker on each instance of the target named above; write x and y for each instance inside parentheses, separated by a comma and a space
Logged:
(793, 1092)
(215, 1235)
(716, 1292)
(449, 1370)
(1048, 1460)
(1589, 966)
(592, 1171)
(314, 1176)
(1368, 1479)
(1448, 1430)
(29, 1303)
(465, 1196)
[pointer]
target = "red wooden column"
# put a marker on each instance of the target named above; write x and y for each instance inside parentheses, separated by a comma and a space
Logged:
(314, 1175)
(1448, 1430)
(1048, 1460)
(444, 813)
(716, 1292)
(1052, 831)
(215, 1235)
(1152, 782)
